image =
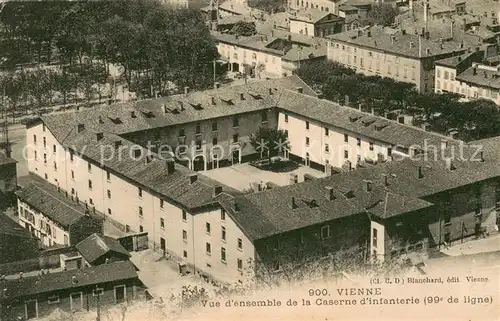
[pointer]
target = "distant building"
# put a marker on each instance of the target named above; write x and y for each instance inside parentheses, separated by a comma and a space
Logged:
(16, 244)
(70, 291)
(315, 23)
(54, 216)
(394, 54)
(322, 5)
(99, 249)
(8, 180)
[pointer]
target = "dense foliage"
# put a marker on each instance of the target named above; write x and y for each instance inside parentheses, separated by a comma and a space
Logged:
(442, 112)
(383, 14)
(269, 6)
(154, 46)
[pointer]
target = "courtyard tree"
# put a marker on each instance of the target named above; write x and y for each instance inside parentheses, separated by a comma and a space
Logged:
(382, 14)
(269, 141)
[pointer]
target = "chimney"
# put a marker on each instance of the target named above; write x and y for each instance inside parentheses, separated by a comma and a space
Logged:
(186, 91)
(4, 293)
(329, 193)
(459, 58)
(294, 178)
(369, 33)
(426, 14)
(242, 96)
(100, 120)
(272, 33)
(164, 107)
(481, 156)
(270, 91)
(474, 71)
(359, 33)
(217, 190)
(99, 136)
(193, 178)
(300, 90)
(452, 23)
(485, 74)
(80, 128)
(368, 186)
(182, 105)
(393, 39)
(236, 206)
(170, 166)
(217, 85)
(293, 204)
(428, 51)
(106, 261)
(412, 44)
(118, 143)
(74, 280)
(403, 32)
(289, 37)
(132, 114)
(385, 179)
(449, 164)
(420, 172)
(373, 111)
(212, 98)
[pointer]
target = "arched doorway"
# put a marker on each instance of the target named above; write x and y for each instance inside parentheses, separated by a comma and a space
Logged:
(199, 163)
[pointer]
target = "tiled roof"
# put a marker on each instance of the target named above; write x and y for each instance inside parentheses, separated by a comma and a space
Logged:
(483, 77)
(70, 279)
(269, 212)
(6, 160)
(342, 117)
(404, 45)
(453, 62)
(97, 245)
(53, 203)
(312, 15)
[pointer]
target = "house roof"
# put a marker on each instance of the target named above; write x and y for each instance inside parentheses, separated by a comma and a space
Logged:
(483, 77)
(453, 62)
(53, 203)
(347, 8)
(6, 160)
(407, 44)
(97, 245)
(313, 16)
(270, 212)
(71, 279)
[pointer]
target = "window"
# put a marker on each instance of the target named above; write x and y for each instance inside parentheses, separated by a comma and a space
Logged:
(89, 167)
(141, 213)
(325, 232)
(214, 126)
(286, 118)
(223, 255)
(109, 211)
(43, 127)
(162, 223)
(240, 244)
(184, 235)
(346, 154)
(54, 149)
(235, 138)
(375, 232)
(162, 203)
(184, 215)
(307, 125)
(358, 142)
(236, 122)
(327, 132)
(240, 264)
(446, 75)
(139, 190)
(91, 201)
(207, 228)
(208, 248)
(53, 299)
(371, 146)
(264, 117)
(35, 155)
(72, 174)
(44, 142)
(46, 176)
(45, 158)
(307, 141)
(109, 194)
(71, 154)
(374, 255)
(198, 144)
(389, 151)
(55, 166)
(90, 184)
(223, 233)
(361, 62)
(108, 176)
(346, 138)
(34, 139)
(185, 254)
(327, 148)
(198, 129)
(141, 228)
(215, 141)
(97, 292)
(223, 215)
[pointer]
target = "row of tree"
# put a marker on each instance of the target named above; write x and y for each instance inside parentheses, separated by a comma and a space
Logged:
(156, 47)
(441, 112)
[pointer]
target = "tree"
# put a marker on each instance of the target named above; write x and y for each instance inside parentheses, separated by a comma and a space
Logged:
(269, 6)
(243, 28)
(382, 14)
(318, 72)
(270, 141)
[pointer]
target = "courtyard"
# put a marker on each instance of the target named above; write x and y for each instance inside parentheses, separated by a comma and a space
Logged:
(240, 176)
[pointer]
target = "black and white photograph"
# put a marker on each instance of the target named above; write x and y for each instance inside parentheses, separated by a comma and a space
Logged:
(249, 160)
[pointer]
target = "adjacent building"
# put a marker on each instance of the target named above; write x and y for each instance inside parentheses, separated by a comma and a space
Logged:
(314, 22)
(73, 290)
(394, 54)
(99, 249)
(54, 216)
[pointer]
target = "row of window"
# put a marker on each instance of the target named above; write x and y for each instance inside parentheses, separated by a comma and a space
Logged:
(301, 3)
(327, 148)
(446, 75)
